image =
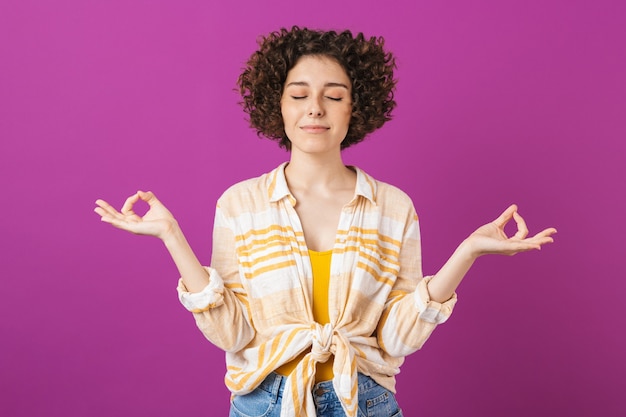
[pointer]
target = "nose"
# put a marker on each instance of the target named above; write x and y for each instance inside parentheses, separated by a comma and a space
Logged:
(315, 108)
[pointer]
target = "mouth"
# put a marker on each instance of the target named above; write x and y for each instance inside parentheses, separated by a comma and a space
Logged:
(314, 128)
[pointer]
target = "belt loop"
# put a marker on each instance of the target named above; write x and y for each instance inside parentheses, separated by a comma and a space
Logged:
(278, 380)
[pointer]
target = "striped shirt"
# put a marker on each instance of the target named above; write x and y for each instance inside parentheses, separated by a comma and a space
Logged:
(258, 304)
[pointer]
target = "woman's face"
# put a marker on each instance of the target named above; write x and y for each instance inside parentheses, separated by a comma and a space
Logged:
(316, 105)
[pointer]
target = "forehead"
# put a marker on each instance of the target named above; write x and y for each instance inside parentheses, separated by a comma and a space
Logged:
(317, 69)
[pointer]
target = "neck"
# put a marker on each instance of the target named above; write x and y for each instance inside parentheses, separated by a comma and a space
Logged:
(312, 171)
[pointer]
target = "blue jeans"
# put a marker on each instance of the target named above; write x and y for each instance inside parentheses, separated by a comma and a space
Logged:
(265, 400)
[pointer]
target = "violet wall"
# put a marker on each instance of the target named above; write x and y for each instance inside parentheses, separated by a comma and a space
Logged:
(498, 102)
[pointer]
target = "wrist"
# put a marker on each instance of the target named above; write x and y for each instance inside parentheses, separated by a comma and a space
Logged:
(171, 233)
(468, 249)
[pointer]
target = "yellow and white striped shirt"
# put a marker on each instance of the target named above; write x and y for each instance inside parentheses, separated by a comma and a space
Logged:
(258, 305)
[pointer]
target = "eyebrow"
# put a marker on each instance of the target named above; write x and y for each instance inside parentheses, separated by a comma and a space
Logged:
(305, 84)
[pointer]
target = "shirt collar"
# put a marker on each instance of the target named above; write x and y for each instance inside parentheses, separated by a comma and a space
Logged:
(277, 188)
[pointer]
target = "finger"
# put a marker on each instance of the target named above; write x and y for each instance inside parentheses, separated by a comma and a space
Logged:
(504, 218)
(110, 216)
(105, 216)
(100, 211)
(101, 203)
(543, 237)
(104, 205)
(511, 247)
(536, 242)
(120, 223)
(547, 232)
(127, 208)
(148, 197)
(522, 229)
(524, 246)
(105, 208)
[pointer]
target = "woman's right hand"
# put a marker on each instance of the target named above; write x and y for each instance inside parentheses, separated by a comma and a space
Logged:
(158, 221)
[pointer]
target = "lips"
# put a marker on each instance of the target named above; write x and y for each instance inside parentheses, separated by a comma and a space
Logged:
(314, 128)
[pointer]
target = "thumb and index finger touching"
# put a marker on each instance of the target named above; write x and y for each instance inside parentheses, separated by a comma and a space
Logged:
(104, 208)
(146, 196)
(522, 229)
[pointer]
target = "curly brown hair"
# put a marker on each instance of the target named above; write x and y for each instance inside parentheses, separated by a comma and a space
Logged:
(365, 61)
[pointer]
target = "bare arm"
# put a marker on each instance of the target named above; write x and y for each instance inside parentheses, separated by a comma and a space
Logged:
(158, 222)
(488, 239)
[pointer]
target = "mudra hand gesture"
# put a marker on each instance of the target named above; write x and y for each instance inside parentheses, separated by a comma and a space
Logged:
(491, 238)
(157, 221)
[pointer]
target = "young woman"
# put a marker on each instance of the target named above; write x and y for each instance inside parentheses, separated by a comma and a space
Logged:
(315, 289)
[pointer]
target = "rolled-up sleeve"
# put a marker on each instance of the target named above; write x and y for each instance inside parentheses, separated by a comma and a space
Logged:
(429, 310)
(211, 296)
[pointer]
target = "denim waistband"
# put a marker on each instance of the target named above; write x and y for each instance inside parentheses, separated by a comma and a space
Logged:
(273, 382)
(364, 382)
(276, 382)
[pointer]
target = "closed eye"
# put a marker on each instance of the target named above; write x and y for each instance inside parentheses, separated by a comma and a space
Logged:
(298, 97)
(334, 98)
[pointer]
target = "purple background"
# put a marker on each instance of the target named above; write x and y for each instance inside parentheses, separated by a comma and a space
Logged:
(498, 102)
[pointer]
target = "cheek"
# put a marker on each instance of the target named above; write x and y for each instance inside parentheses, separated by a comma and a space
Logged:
(289, 114)
(349, 110)
(287, 123)
(348, 115)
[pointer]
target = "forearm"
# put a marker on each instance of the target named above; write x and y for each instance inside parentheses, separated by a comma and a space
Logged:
(194, 275)
(445, 282)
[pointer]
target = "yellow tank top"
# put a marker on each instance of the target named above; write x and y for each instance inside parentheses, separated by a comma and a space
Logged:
(320, 263)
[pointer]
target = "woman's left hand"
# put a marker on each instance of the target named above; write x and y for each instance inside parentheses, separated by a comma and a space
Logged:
(491, 238)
